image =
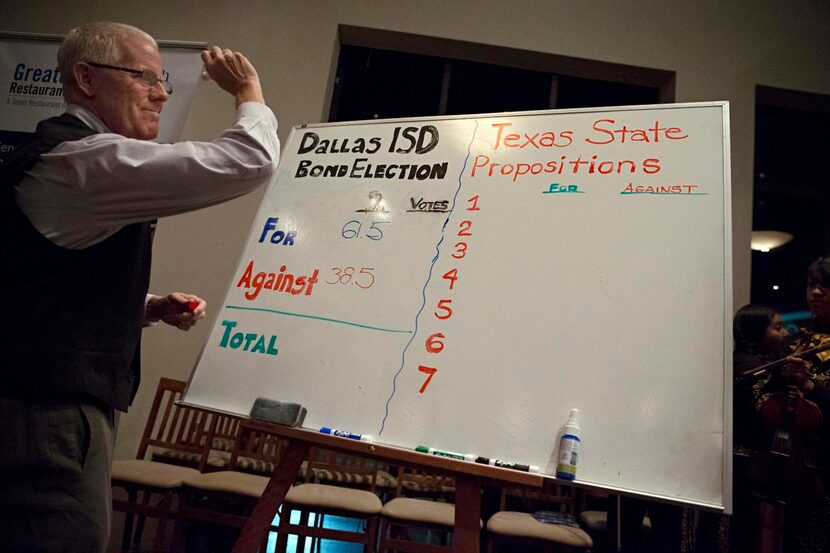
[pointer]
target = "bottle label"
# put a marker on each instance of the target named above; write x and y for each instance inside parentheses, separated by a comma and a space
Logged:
(568, 456)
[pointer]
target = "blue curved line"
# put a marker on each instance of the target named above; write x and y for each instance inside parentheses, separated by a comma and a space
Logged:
(429, 276)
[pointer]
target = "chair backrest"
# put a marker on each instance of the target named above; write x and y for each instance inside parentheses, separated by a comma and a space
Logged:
(552, 497)
(227, 428)
(341, 469)
(179, 433)
(425, 485)
(255, 450)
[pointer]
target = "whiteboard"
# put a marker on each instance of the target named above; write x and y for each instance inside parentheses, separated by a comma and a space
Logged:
(463, 282)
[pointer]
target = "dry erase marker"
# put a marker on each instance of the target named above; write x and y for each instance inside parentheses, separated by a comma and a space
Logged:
(192, 305)
(507, 464)
(344, 434)
(450, 454)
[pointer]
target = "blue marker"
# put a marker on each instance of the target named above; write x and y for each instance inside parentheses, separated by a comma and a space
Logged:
(344, 434)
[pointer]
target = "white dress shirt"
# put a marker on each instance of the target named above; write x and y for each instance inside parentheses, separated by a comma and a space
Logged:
(83, 191)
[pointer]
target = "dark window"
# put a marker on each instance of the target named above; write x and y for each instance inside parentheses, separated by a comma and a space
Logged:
(790, 192)
(483, 88)
(378, 84)
(385, 74)
(574, 92)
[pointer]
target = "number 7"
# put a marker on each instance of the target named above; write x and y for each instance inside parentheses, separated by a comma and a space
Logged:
(428, 370)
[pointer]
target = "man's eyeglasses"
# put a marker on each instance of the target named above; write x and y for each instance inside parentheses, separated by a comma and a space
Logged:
(144, 75)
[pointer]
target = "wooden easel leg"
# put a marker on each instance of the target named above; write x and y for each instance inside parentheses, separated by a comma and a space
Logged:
(259, 522)
(467, 533)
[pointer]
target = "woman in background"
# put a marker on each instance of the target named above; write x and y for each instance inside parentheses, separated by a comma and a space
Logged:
(759, 336)
(807, 373)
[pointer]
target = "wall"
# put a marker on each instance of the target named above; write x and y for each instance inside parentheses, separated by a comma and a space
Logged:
(720, 51)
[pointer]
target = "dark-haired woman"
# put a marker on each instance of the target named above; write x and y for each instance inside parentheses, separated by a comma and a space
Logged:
(807, 511)
(759, 335)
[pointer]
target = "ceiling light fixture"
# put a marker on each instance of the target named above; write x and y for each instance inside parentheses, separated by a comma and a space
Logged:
(766, 240)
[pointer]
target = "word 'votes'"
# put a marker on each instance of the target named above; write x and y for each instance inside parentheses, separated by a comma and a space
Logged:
(404, 141)
(606, 131)
(244, 340)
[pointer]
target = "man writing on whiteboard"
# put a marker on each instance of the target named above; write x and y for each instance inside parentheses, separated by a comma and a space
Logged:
(80, 200)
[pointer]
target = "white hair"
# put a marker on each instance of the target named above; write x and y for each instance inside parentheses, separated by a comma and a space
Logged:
(95, 42)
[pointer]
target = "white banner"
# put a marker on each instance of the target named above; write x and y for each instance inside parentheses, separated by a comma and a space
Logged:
(30, 87)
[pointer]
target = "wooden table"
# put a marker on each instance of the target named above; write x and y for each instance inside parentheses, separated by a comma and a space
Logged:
(469, 478)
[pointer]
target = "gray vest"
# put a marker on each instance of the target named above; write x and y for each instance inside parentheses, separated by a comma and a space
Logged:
(72, 319)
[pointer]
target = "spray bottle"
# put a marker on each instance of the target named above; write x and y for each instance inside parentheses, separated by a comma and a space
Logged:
(569, 448)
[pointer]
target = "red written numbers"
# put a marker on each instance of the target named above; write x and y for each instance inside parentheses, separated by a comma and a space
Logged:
(434, 343)
(443, 305)
(365, 278)
(607, 131)
(452, 276)
(429, 371)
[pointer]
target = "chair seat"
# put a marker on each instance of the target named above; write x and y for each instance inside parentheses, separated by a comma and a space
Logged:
(523, 525)
(420, 510)
(597, 521)
(334, 498)
(229, 481)
(150, 473)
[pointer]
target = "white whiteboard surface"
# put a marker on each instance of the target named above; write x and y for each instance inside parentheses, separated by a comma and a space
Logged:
(595, 287)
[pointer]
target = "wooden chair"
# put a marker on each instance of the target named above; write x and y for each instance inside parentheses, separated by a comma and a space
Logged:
(546, 521)
(219, 453)
(150, 485)
(423, 503)
(220, 502)
(349, 491)
(341, 469)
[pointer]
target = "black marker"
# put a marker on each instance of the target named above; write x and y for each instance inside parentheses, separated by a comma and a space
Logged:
(507, 464)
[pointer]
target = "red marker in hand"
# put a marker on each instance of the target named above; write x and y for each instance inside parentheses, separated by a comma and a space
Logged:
(192, 305)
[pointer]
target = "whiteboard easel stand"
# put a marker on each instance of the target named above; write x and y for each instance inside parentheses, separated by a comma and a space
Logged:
(469, 478)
